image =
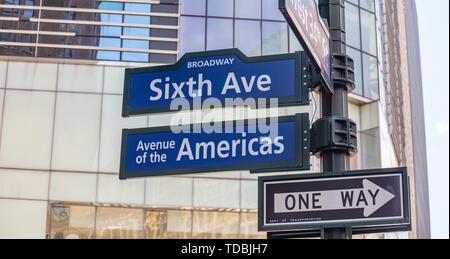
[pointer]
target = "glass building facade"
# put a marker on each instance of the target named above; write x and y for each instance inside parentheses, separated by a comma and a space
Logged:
(61, 81)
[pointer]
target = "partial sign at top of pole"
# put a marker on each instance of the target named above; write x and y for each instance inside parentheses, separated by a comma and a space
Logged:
(304, 19)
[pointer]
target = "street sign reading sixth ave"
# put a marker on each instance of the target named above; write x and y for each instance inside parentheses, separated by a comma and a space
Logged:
(230, 146)
(304, 19)
(222, 74)
(346, 199)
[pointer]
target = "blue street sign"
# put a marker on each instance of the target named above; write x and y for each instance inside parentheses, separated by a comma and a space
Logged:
(378, 197)
(228, 146)
(223, 74)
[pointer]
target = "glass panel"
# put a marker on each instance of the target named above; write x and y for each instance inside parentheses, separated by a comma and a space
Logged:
(274, 38)
(248, 37)
(215, 225)
(368, 32)
(192, 34)
(352, 25)
(356, 56)
(119, 223)
(72, 222)
(29, 13)
(220, 34)
(370, 148)
(115, 6)
(370, 70)
(368, 4)
(193, 7)
(248, 9)
(223, 8)
(108, 55)
(135, 45)
(294, 44)
(168, 224)
(270, 10)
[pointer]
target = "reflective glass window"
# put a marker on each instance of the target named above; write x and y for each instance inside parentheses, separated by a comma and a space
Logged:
(223, 8)
(119, 223)
(72, 222)
(368, 4)
(270, 10)
(356, 56)
(274, 38)
(370, 72)
(193, 7)
(192, 34)
(29, 13)
(168, 224)
(352, 28)
(248, 37)
(368, 32)
(294, 44)
(220, 33)
(248, 9)
(215, 225)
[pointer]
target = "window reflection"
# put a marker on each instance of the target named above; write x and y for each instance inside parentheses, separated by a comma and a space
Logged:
(223, 8)
(270, 10)
(219, 31)
(248, 9)
(192, 34)
(168, 224)
(274, 38)
(193, 7)
(88, 222)
(75, 28)
(247, 37)
(370, 72)
(119, 223)
(215, 225)
(72, 222)
(356, 56)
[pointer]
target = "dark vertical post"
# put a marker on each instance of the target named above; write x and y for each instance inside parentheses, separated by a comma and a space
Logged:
(335, 104)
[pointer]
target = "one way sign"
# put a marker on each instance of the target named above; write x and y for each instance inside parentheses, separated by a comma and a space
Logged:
(358, 198)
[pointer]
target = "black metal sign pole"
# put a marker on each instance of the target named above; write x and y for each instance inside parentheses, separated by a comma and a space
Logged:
(335, 106)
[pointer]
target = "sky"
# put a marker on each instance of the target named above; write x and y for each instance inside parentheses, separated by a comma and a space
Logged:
(434, 40)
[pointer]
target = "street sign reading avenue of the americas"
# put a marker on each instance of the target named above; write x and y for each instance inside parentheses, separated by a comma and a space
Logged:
(358, 198)
(226, 146)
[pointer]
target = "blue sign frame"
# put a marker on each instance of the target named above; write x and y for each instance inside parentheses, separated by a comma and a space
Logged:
(295, 152)
(318, 223)
(289, 82)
